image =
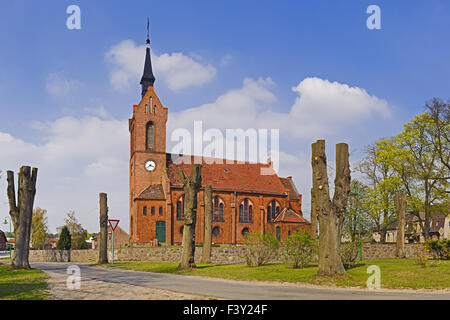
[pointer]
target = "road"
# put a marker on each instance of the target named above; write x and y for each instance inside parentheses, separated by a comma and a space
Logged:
(228, 289)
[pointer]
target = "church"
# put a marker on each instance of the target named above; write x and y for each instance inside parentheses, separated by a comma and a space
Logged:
(244, 200)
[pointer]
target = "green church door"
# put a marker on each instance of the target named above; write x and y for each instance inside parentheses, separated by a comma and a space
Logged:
(161, 231)
(278, 233)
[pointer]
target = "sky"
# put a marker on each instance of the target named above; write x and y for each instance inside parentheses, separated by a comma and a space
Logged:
(311, 69)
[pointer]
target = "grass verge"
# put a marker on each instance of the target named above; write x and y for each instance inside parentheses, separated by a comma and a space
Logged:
(23, 284)
(395, 274)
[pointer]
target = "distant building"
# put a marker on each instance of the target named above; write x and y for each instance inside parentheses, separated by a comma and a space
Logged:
(121, 238)
(413, 228)
(3, 241)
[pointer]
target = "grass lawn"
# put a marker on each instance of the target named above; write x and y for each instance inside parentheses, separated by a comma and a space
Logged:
(395, 274)
(22, 284)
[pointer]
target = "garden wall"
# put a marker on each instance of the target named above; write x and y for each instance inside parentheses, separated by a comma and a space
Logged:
(218, 255)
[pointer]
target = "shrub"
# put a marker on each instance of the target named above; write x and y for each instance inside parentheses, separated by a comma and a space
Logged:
(422, 258)
(349, 254)
(65, 240)
(299, 248)
(259, 248)
(439, 249)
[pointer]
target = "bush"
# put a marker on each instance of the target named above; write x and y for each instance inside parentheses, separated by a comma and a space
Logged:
(65, 240)
(260, 248)
(299, 248)
(349, 254)
(439, 249)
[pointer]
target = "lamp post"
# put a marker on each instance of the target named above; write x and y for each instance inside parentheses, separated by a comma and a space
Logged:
(9, 245)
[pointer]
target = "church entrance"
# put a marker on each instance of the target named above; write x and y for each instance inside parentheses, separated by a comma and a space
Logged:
(161, 231)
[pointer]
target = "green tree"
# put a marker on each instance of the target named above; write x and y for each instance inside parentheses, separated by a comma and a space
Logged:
(383, 183)
(440, 116)
(39, 228)
(65, 239)
(351, 219)
(78, 233)
(417, 161)
(299, 248)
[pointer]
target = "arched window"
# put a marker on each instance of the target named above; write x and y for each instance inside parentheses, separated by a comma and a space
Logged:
(150, 135)
(273, 209)
(244, 231)
(246, 211)
(218, 209)
(180, 208)
(160, 211)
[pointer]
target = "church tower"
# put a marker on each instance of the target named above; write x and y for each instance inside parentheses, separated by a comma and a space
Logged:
(147, 129)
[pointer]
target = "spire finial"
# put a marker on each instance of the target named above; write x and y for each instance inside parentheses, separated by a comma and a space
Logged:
(148, 31)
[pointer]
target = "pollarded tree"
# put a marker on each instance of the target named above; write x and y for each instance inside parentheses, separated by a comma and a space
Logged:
(21, 212)
(330, 212)
(191, 186)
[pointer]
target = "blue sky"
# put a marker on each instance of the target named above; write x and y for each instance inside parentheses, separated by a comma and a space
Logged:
(52, 78)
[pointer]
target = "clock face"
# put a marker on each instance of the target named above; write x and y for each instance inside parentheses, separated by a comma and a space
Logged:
(150, 165)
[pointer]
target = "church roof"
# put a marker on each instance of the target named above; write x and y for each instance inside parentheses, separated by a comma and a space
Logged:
(289, 215)
(289, 185)
(153, 192)
(241, 177)
(148, 79)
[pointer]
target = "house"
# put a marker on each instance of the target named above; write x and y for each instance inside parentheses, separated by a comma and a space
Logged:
(244, 199)
(121, 238)
(438, 221)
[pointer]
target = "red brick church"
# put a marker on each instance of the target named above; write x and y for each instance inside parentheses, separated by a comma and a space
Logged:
(243, 199)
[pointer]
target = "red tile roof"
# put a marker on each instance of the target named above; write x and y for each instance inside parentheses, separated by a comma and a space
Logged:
(289, 185)
(244, 177)
(289, 215)
(153, 192)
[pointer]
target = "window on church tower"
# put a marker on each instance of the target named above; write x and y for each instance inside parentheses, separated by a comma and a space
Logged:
(153, 211)
(160, 211)
(150, 135)
(144, 211)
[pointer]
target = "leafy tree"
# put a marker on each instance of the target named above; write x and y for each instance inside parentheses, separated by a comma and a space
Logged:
(78, 233)
(351, 219)
(65, 240)
(418, 164)
(260, 248)
(383, 183)
(39, 228)
(299, 248)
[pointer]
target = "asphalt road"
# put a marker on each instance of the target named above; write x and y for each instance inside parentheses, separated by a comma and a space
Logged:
(228, 289)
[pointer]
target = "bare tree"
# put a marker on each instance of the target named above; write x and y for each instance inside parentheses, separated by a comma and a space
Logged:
(330, 212)
(207, 239)
(191, 186)
(21, 213)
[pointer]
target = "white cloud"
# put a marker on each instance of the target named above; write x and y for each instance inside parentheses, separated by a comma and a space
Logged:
(176, 70)
(58, 86)
(78, 159)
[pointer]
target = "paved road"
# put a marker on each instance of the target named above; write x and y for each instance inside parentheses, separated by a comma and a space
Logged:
(227, 289)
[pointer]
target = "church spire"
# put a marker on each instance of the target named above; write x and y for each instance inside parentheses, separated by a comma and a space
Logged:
(148, 78)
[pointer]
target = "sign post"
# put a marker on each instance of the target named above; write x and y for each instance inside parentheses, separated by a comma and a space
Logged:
(113, 224)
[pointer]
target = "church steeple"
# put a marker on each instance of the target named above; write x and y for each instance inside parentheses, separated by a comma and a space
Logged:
(148, 78)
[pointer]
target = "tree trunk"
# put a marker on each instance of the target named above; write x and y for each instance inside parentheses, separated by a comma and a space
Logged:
(191, 186)
(400, 208)
(207, 239)
(103, 238)
(313, 216)
(330, 212)
(21, 213)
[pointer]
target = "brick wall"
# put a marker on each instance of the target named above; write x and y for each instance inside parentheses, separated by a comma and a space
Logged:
(218, 255)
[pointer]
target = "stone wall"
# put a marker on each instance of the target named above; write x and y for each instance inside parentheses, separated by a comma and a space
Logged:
(227, 254)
